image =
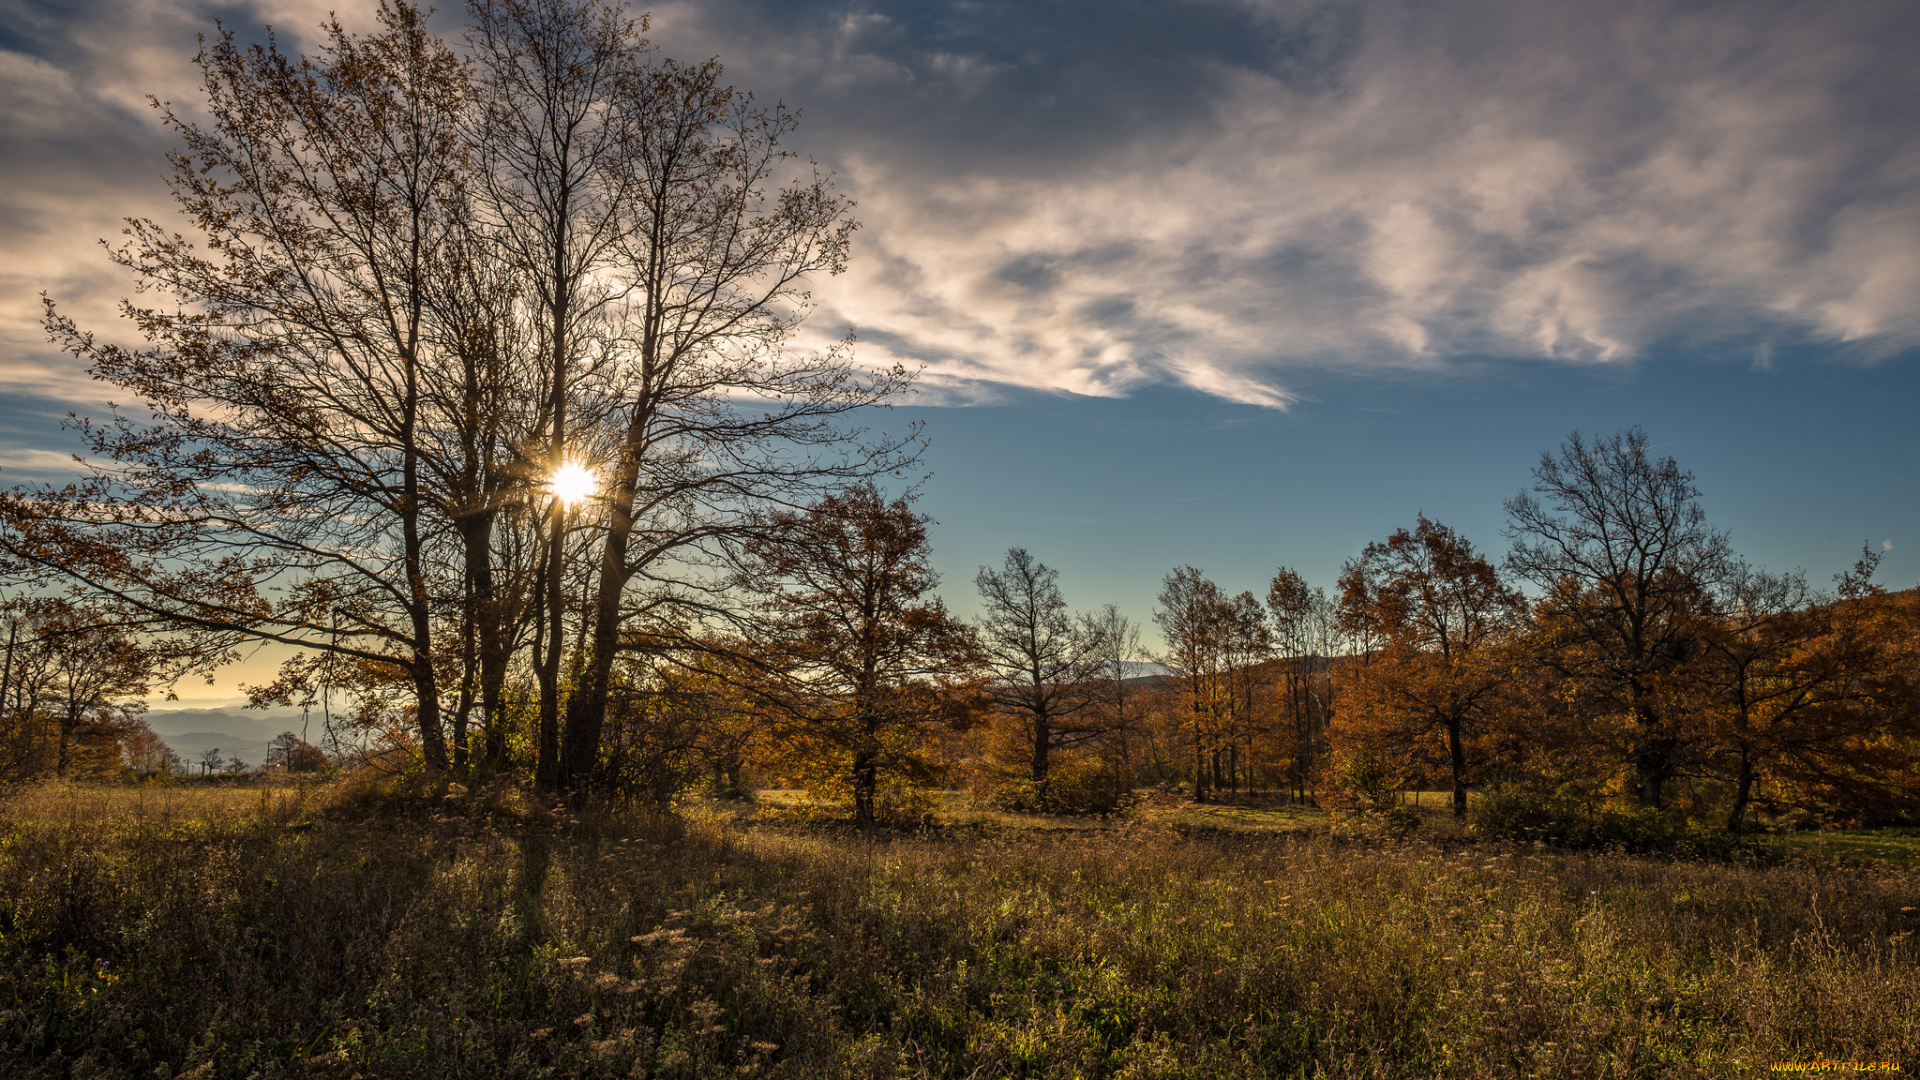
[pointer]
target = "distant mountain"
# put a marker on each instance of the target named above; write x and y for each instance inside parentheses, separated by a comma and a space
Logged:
(246, 732)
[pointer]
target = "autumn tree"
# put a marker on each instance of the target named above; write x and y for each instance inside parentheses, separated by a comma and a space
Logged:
(554, 135)
(77, 679)
(145, 754)
(1114, 653)
(418, 287)
(1620, 547)
(682, 712)
(856, 652)
(1192, 616)
(280, 491)
(1304, 632)
(670, 237)
(1246, 641)
(1808, 690)
(294, 754)
(1440, 613)
(1042, 660)
(483, 470)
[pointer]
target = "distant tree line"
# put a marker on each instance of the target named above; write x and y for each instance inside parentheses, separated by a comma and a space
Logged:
(473, 378)
(1620, 659)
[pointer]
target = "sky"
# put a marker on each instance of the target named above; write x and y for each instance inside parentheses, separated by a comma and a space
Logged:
(1236, 284)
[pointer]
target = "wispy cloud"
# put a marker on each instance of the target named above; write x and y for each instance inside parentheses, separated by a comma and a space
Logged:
(1094, 197)
(1216, 195)
(20, 462)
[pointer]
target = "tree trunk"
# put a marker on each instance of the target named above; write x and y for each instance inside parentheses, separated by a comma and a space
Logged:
(547, 774)
(1652, 762)
(426, 690)
(550, 772)
(1042, 748)
(1652, 753)
(68, 722)
(6, 679)
(1199, 770)
(865, 780)
(432, 733)
(1457, 753)
(476, 541)
(1742, 794)
(587, 709)
(494, 654)
(469, 683)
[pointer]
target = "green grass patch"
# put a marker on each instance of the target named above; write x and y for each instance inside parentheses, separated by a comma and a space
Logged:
(1894, 847)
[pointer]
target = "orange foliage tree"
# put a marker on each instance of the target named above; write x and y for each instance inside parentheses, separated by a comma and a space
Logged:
(855, 654)
(1442, 616)
(1816, 693)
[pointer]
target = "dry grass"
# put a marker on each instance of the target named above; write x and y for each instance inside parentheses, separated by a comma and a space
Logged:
(250, 935)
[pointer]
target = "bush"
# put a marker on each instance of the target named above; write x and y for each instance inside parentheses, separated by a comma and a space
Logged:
(1363, 782)
(1084, 787)
(1511, 814)
(901, 804)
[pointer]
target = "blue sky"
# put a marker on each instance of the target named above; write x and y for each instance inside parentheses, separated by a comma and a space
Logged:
(1239, 284)
(1801, 464)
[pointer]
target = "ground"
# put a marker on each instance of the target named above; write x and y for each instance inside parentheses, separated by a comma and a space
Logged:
(326, 932)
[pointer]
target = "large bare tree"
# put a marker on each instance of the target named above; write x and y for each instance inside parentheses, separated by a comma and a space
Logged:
(418, 288)
(279, 492)
(1045, 663)
(1618, 543)
(669, 237)
(555, 138)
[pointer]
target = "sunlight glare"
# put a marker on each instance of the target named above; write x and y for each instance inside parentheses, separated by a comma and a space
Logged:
(572, 482)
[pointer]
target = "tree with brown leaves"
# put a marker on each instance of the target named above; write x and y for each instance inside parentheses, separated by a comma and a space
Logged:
(1441, 614)
(856, 652)
(280, 491)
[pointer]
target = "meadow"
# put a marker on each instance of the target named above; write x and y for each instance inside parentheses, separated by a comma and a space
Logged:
(326, 932)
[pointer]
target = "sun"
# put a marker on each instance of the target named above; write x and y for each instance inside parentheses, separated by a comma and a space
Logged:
(572, 482)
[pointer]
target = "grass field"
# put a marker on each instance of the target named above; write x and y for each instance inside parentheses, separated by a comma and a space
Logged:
(240, 933)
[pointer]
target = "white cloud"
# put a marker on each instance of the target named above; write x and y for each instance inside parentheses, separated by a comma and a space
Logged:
(39, 464)
(1089, 198)
(1572, 184)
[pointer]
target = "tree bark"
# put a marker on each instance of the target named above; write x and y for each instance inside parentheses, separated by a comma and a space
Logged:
(865, 781)
(550, 637)
(1042, 748)
(587, 708)
(1457, 753)
(1742, 794)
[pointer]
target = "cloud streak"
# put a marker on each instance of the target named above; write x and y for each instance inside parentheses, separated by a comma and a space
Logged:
(1097, 197)
(1222, 195)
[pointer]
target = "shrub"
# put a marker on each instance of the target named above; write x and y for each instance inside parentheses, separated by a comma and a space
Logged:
(897, 803)
(1364, 782)
(1081, 787)
(1514, 814)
